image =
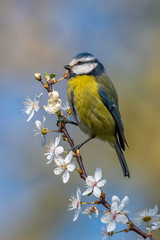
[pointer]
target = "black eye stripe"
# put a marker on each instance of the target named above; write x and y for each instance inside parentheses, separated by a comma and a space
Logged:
(84, 62)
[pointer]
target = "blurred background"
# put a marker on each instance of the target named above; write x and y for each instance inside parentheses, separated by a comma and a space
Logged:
(39, 36)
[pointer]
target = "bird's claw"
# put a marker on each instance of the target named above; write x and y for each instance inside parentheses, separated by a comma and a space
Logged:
(62, 120)
(75, 148)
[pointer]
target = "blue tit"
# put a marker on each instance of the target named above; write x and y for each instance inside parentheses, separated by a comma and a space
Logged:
(94, 104)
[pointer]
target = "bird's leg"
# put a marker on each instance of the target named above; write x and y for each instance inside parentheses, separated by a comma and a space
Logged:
(65, 121)
(81, 144)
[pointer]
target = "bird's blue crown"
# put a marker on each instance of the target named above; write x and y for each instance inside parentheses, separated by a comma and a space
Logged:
(86, 61)
(83, 55)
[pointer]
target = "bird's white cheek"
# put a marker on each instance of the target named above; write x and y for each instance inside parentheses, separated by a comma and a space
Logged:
(84, 68)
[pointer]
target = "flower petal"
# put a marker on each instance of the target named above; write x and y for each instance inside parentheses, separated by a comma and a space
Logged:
(101, 183)
(153, 211)
(49, 158)
(77, 212)
(114, 207)
(43, 140)
(59, 150)
(48, 109)
(125, 200)
(38, 125)
(36, 132)
(37, 97)
(106, 218)
(57, 140)
(69, 156)
(116, 199)
(65, 106)
(59, 101)
(86, 211)
(111, 226)
(58, 160)
(137, 220)
(90, 181)
(28, 109)
(71, 166)
(122, 219)
(88, 191)
(65, 176)
(57, 107)
(36, 107)
(97, 212)
(78, 194)
(98, 174)
(58, 170)
(96, 192)
(120, 207)
(30, 115)
(54, 95)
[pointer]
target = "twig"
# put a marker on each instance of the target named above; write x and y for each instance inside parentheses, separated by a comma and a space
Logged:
(78, 156)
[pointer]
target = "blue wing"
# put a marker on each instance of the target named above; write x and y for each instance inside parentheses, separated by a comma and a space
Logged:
(113, 109)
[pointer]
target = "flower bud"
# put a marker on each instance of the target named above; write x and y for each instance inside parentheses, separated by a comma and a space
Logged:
(64, 138)
(37, 76)
(53, 81)
(47, 78)
(65, 75)
(44, 131)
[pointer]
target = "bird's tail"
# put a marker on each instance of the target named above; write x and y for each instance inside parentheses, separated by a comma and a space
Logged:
(122, 159)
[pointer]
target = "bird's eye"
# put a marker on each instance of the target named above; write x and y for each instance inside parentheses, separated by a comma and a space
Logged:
(79, 62)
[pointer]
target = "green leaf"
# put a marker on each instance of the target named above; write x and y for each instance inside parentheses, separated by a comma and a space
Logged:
(52, 75)
(46, 74)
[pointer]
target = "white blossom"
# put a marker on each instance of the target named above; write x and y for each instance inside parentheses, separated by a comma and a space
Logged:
(41, 130)
(65, 166)
(154, 226)
(94, 184)
(54, 103)
(146, 215)
(53, 150)
(90, 210)
(105, 234)
(31, 106)
(65, 106)
(115, 214)
(75, 204)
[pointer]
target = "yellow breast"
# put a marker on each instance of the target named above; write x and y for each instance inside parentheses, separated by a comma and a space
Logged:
(91, 114)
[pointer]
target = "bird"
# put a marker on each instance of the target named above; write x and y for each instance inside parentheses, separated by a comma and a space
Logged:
(94, 104)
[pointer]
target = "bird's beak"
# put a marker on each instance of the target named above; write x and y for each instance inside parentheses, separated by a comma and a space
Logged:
(68, 67)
